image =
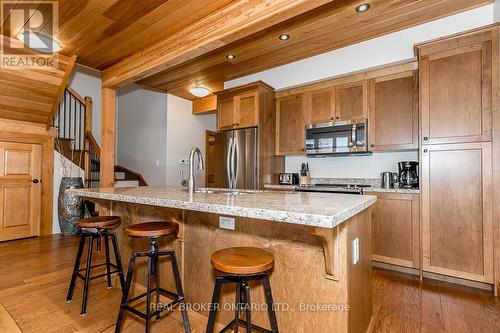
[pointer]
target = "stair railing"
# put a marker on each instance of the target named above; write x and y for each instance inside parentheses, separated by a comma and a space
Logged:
(73, 121)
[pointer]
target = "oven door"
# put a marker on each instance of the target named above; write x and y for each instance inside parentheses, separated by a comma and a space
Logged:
(337, 138)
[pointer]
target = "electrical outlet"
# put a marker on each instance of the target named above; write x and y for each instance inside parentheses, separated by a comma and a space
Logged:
(355, 251)
(226, 223)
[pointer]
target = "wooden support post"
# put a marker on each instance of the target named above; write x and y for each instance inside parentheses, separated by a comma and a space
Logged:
(108, 137)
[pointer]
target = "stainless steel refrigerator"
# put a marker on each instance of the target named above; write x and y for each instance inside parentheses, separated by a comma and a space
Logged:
(236, 159)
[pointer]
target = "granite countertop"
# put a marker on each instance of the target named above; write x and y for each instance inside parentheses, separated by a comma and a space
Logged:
(311, 209)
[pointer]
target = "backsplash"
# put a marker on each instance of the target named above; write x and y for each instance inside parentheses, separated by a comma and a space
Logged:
(351, 166)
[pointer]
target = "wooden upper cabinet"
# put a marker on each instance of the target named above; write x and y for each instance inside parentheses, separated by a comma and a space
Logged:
(457, 210)
(321, 106)
(393, 112)
(247, 112)
(238, 110)
(290, 124)
(456, 89)
(396, 229)
(225, 113)
(351, 100)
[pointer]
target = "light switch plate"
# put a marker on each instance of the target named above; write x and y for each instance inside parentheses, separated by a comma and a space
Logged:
(227, 223)
(355, 251)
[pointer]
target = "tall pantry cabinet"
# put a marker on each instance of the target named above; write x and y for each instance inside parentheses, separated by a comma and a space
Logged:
(459, 124)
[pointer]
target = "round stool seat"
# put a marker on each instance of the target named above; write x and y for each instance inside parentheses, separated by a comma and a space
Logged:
(152, 229)
(99, 222)
(242, 260)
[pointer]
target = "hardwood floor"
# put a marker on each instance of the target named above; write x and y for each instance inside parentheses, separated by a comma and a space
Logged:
(34, 276)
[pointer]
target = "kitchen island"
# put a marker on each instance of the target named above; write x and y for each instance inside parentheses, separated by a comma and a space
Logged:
(322, 244)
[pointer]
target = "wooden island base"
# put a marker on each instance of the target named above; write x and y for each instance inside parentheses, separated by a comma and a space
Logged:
(315, 284)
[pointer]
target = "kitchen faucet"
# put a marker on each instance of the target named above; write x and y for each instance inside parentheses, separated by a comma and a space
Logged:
(194, 151)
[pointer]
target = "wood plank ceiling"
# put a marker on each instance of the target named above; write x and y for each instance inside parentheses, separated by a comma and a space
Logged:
(102, 33)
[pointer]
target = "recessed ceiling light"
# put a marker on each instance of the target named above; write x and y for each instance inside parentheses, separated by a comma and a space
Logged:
(39, 42)
(284, 37)
(199, 91)
(363, 8)
(230, 56)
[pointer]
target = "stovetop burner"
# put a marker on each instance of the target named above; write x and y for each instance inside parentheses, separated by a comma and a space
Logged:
(334, 188)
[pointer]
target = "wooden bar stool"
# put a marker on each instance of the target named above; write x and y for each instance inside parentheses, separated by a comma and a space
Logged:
(239, 265)
(153, 230)
(103, 227)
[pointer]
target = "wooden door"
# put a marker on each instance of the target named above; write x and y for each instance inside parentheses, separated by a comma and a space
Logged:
(225, 113)
(20, 198)
(457, 210)
(393, 111)
(351, 101)
(290, 125)
(456, 94)
(396, 229)
(247, 110)
(321, 106)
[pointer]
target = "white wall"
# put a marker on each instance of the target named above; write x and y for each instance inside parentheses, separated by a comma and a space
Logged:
(142, 132)
(352, 166)
(184, 131)
(87, 82)
(496, 16)
(380, 51)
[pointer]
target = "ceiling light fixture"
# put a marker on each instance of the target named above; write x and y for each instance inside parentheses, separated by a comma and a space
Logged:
(39, 42)
(199, 91)
(230, 56)
(284, 37)
(363, 8)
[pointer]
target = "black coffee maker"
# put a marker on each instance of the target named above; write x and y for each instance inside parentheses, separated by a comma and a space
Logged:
(408, 174)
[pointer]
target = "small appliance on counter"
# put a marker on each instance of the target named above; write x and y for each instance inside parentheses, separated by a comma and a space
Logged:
(389, 179)
(289, 179)
(305, 175)
(408, 174)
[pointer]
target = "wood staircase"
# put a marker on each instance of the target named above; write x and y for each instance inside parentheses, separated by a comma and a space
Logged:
(75, 141)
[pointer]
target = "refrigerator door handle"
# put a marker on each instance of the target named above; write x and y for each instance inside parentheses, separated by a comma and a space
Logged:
(235, 161)
(229, 163)
(233, 164)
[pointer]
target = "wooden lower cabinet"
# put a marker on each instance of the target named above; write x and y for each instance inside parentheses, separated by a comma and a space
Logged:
(396, 233)
(457, 210)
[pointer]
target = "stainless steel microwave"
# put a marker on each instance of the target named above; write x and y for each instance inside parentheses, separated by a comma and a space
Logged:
(337, 138)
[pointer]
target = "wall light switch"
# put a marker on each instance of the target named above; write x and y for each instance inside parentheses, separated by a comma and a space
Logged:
(355, 251)
(226, 223)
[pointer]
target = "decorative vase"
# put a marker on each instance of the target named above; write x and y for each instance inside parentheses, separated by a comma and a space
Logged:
(70, 207)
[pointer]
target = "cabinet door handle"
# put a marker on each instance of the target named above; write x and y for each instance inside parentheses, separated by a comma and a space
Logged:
(303, 150)
(332, 118)
(372, 145)
(426, 150)
(426, 138)
(337, 117)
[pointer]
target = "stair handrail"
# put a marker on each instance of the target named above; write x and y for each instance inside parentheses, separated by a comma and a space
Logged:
(92, 141)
